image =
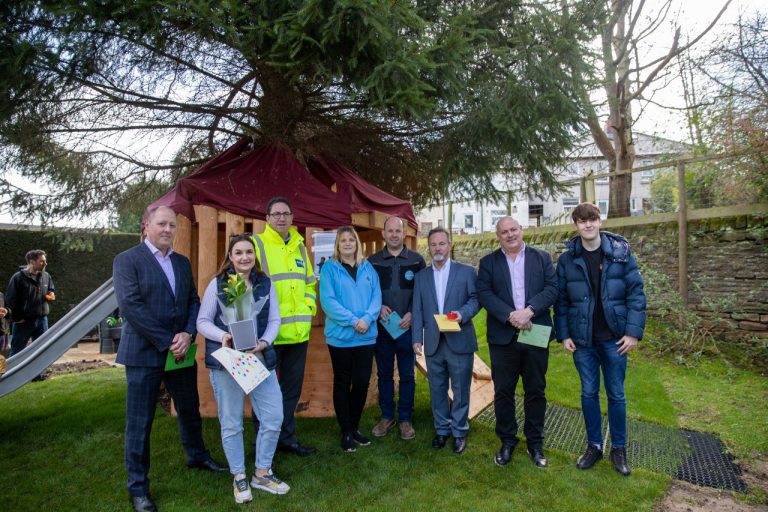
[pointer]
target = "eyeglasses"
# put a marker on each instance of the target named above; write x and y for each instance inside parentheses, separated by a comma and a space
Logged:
(284, 215)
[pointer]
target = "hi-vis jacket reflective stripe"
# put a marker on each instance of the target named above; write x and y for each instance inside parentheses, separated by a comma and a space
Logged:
(290, 270)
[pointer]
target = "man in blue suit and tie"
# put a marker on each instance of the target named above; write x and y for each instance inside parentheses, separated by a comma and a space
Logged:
(444, 287)
(517, 285)
(157, 298)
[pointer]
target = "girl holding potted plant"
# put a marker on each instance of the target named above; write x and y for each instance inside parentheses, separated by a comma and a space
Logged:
(351, 298)
(240, 282)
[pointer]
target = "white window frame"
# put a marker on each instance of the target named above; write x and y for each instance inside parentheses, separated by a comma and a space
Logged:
(570, 202)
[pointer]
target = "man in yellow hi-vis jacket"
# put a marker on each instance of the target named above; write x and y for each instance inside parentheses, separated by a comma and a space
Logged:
(283, 257)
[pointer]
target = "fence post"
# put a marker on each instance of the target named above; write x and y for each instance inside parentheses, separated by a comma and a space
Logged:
(587, 189)
(682, 235)
(482, 209)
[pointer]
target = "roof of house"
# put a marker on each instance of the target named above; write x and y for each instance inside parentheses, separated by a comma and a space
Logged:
(645, 145)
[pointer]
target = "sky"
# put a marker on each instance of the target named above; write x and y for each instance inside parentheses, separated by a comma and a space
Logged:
(691, 15)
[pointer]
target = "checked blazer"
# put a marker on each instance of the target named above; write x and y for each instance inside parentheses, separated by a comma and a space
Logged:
(153, 314)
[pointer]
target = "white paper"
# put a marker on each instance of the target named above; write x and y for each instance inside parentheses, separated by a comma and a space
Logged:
(247, 370)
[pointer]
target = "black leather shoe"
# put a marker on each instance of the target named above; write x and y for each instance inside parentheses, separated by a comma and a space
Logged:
(143, 504)
(504, 455)
(439, 441)
(537, 456)
(619, 459)
(297, 449)
(589, 457)
(208, 465)
(459, 444)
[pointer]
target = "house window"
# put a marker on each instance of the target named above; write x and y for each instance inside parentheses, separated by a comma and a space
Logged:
(469, 220)
(496, 215)
(569, 203)
(602, 167)
(634, 204)
(603, 205)
(646, 176)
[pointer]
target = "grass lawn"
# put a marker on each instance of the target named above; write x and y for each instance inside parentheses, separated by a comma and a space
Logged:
(62, 449)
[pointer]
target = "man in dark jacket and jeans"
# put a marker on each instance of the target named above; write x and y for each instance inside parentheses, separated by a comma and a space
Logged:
(599, 317)
(29, 291)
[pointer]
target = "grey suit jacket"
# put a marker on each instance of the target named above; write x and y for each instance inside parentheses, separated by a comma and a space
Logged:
(460, 295)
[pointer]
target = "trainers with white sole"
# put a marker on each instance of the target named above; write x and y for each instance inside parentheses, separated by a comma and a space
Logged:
(269, 483)
(241, 490)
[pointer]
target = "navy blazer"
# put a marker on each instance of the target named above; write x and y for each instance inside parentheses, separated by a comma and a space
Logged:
(153, 315)
(460, 295)
(494, 290)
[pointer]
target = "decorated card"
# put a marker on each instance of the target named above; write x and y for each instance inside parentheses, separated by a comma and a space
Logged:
(247, 370)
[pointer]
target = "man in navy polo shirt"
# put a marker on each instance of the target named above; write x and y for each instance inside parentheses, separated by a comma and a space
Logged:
(396, 266)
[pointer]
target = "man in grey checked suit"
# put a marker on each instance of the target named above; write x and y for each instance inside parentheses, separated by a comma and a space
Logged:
(157, 298)
(444, 287)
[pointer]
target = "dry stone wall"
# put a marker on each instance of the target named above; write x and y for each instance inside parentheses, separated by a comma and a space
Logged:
(727, 263)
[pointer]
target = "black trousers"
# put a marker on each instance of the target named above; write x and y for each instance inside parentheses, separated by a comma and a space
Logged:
(143, 385)
(291, 360)
(508, 364)
(351, 376)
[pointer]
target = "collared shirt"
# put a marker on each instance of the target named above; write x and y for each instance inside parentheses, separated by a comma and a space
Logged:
(517, 275)
(165, 263)
(441, 283)
(396, 277)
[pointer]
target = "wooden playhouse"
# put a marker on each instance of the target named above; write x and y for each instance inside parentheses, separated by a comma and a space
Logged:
(229, 194)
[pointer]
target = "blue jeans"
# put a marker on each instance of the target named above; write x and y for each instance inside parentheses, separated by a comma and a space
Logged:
(387, 350)
(22, 332)
(589, 361)
(267, 404)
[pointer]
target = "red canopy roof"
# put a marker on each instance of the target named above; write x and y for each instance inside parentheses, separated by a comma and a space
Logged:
(243, 179)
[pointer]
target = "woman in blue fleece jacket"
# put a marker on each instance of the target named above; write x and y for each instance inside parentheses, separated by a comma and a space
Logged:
(351, 298)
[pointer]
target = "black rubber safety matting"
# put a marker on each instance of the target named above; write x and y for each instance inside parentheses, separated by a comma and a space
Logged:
(696, 457)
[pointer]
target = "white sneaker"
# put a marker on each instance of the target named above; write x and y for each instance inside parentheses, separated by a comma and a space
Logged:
(269, 483)
(241, 489)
